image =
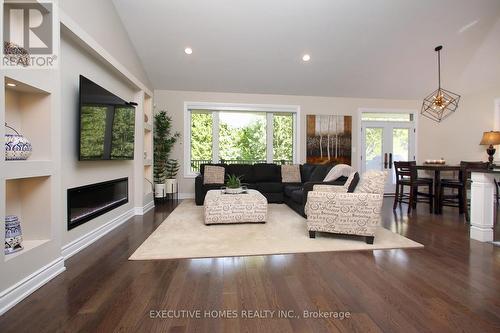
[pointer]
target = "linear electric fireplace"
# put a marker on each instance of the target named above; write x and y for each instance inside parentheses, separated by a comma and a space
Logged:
(87, 202)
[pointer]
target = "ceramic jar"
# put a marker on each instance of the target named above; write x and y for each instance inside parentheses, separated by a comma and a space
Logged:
(17, 147)
(13, 234)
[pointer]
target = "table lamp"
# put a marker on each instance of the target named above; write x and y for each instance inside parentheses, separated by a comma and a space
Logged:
(490, 139)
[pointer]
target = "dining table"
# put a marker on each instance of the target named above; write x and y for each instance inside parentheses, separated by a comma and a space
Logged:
(436, 169)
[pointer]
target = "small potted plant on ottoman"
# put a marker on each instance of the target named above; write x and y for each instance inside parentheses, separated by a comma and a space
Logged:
(233, 184)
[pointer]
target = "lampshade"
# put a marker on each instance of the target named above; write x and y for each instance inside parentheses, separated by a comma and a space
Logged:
(490, 138)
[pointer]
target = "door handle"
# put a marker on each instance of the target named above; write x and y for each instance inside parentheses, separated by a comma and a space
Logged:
(390, 160)
(385, 161)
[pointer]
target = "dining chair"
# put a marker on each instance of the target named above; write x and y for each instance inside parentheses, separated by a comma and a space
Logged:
(407, 175)
(459, 188)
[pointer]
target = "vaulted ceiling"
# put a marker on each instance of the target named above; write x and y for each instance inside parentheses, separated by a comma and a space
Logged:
(358, 48)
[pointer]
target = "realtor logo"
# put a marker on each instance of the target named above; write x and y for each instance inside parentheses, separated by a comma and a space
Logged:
(28, 34)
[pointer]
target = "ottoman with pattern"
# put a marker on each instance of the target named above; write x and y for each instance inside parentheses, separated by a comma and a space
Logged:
(220, 208)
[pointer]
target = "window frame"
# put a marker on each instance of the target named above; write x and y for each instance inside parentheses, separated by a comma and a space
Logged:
(216, 107)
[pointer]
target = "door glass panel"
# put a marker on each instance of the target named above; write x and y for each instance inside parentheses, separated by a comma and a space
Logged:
(373, 148)
(400, 141)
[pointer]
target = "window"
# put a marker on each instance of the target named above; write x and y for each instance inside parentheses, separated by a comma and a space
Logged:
(201, 138)
(240, 136)
(386, 116)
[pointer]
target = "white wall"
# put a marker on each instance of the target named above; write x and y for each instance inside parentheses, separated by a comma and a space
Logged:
(173, 102)
(455, 139)
(101, 21)
(76, 61)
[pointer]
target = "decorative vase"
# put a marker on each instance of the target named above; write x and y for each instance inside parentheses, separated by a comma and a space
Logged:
(160, 191)
(13, 234)
(17, 146)
(171, 185)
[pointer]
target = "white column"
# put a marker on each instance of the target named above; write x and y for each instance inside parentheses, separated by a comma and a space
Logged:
(482, 206)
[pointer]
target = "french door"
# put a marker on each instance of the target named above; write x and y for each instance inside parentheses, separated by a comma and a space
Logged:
(385, 142)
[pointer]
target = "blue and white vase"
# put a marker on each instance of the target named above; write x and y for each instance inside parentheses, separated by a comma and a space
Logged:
(13, 234)
(17, 147)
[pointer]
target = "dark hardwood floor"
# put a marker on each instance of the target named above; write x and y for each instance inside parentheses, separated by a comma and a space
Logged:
(451, 285)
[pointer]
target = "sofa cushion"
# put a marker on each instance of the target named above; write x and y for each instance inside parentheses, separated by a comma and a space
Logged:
(305, 172)
(319, 173)
(244, 171)
(290, 173)
(213, 174)
(298, 196)
(372, 182)
(353, 182)
(288, 189)
(264, 172)
(270, 187)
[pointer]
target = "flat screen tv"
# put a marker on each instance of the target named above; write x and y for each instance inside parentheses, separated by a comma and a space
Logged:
(106, 124)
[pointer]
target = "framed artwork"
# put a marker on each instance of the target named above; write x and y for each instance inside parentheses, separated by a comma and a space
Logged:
(329, 139)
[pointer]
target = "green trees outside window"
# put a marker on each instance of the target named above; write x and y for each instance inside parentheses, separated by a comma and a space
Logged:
(242, 137)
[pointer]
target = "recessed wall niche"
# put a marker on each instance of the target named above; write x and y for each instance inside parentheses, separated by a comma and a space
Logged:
(27, 110)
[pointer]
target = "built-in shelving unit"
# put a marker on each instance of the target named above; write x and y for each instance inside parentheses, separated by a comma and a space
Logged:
(29, 189)
(144, 152)
(148, 148)
(29, 200)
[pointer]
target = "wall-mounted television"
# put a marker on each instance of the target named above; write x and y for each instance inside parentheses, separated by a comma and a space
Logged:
(106, 124)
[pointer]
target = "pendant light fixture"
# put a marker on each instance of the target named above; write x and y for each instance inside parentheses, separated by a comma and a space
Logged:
(441, 103)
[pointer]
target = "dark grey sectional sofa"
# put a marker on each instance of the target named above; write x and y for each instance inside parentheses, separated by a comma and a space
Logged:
(266, 178)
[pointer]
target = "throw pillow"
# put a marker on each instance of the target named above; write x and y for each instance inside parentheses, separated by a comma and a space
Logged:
(338, 171)
(290, 173)
(352, 182)
(372, 182)
(213, 175)
(319, 173)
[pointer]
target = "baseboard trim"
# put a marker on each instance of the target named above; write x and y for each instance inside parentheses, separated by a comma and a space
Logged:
(22, 289)
(79, 244)
(143, 210)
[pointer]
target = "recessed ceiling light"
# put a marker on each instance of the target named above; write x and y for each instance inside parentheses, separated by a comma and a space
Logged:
(188, 50)
(306, 57)
(11, 84)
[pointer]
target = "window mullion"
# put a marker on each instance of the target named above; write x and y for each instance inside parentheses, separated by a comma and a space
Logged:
(215, 137)
(269, 137)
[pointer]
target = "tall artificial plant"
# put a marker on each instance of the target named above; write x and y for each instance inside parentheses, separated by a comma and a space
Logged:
(172, 168)
(163, 141)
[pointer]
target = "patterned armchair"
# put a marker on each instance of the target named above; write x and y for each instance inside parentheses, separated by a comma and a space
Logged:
(331, 209)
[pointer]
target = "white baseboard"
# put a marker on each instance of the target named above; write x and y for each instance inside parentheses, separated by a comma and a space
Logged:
(79, 244)
(19, 291)
(143, 210)
(186, 195)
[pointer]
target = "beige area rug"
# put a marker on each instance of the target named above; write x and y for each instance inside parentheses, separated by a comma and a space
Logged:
(184, 235)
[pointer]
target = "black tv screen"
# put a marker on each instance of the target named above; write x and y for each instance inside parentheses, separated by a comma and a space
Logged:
(107, 124)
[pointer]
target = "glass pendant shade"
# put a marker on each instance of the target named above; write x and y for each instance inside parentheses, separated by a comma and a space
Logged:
(441, 103)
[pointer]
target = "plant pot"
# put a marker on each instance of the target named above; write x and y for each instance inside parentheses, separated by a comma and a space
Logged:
(171, 186)
(17, 147)
(160, 191)
(236, 190)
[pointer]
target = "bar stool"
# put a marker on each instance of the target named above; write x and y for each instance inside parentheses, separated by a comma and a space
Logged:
(407, 175)
(461, 185)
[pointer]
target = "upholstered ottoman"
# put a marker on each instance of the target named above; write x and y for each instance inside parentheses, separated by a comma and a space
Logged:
(220, 208)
